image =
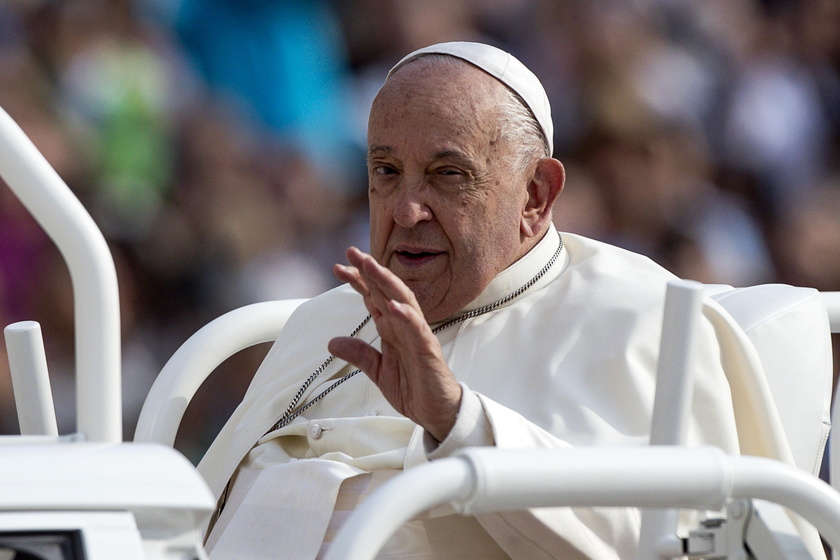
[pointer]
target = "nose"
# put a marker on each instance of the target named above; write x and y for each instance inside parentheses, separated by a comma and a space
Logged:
(410, 208)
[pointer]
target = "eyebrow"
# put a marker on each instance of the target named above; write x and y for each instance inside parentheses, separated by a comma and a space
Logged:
(454, 155)
(375, 148)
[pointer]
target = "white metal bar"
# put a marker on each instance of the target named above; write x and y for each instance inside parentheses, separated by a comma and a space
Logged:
(662, 476)
(97, 315)
(190, 365)
(507, 479)
(672, 403)
(381, 514)
(832, 305)
(777, 482)
(30, 379)
(674, 380)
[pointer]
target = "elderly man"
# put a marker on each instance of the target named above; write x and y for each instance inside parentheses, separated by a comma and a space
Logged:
(474, 323)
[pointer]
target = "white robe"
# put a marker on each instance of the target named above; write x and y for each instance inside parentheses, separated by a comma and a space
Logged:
(570, 362)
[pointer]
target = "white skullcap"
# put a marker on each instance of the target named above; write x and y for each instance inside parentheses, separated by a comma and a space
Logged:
(504, 67)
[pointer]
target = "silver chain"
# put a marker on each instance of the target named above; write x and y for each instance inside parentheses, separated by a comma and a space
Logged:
(290, 413)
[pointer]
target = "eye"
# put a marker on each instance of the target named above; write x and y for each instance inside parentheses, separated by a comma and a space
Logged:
(384, 170)
(450, 178)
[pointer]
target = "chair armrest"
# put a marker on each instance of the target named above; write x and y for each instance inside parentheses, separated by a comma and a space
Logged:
(196, 359)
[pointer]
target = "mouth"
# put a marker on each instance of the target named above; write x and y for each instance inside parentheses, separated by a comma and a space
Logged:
(415, 257)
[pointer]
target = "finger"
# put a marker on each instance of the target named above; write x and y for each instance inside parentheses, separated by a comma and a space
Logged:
(381, 281)
(407, 318)
(358, 353)
(376, 299)
(351, 275)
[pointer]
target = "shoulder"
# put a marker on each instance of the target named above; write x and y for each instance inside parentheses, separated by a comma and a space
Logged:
(599, 259)
(602, 280)
(334, 313)
(302, 343)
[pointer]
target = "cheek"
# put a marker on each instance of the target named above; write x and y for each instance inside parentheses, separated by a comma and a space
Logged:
(378, 223)
(494, 237)
(379, 231)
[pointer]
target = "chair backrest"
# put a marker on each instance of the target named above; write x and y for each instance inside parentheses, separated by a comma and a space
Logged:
(789, 328)
(775, 347)
(196, 359)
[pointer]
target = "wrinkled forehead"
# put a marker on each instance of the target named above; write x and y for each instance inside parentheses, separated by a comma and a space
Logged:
(433, 107)
(440, 83)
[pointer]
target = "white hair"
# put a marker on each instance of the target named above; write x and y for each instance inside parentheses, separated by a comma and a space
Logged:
(521, 128)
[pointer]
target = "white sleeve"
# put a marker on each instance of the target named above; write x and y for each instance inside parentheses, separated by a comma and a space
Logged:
(472, 429)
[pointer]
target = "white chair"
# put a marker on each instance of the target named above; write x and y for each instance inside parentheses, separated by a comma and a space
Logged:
(196, 359)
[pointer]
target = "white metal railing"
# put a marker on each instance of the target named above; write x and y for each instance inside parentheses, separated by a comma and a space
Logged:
(92, 271)
(482, 480)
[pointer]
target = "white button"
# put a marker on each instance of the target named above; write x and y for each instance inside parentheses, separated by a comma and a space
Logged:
(371, 413)
(315, 431)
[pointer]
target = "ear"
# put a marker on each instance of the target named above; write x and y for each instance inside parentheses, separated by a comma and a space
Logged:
(543, 190)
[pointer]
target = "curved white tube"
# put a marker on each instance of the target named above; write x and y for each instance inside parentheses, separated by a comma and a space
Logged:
(480, 480)
(777, 482)
(397, 501)
(97, 313)
(190, 365)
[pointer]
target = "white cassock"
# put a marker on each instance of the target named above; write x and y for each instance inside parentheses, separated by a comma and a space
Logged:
(570, 362)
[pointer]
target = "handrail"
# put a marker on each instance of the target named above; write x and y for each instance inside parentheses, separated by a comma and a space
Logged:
(480, 480)
(92, 271)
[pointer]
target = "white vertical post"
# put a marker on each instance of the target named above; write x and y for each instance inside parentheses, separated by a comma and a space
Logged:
(30, 379)
(672, 405)
(92, 271)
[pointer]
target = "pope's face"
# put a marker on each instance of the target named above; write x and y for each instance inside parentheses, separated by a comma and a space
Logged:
(446, 203)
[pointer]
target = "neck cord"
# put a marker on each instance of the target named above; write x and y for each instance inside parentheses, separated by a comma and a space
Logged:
(290, 412)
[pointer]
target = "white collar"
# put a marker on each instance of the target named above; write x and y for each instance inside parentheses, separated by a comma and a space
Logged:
(523, 270)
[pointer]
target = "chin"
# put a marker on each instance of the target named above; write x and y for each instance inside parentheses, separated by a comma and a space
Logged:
(431, 307)
(438, 313)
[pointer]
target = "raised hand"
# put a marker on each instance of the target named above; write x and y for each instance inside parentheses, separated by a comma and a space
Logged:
(410, 370)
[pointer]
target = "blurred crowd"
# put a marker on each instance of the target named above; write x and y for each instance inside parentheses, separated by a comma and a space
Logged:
(219, 145)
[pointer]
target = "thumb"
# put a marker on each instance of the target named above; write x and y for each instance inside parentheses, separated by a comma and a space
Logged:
(358, 353)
